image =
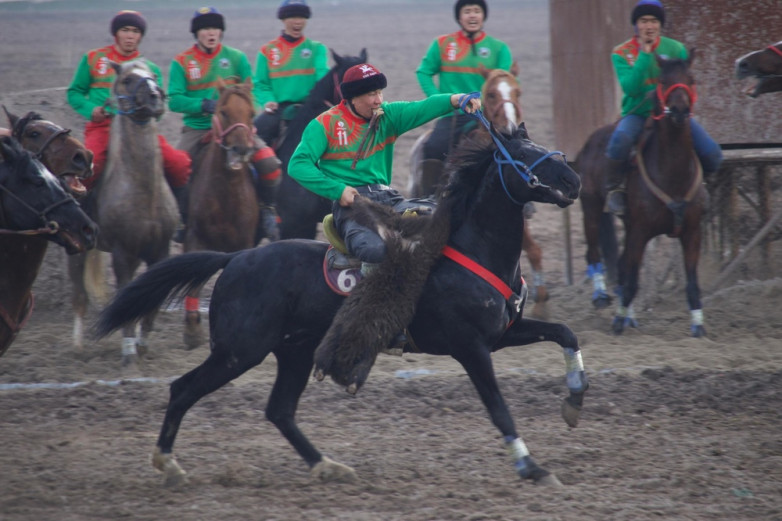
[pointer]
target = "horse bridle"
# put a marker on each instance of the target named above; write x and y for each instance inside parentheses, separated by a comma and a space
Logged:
(503, 157)
(49, 227)
(130, 99)
(663, 97)
(22, 124)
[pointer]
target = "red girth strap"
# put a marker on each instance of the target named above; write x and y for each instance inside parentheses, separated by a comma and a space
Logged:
(479, 270)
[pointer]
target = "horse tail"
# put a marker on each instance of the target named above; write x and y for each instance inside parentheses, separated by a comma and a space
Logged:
(163, 281)
(609, 245)
(95, 276)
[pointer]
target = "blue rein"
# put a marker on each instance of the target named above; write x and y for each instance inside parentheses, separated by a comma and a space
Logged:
(502, 156)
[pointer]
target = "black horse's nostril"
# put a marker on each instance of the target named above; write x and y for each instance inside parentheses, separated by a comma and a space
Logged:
(79, 160)
(742, 66)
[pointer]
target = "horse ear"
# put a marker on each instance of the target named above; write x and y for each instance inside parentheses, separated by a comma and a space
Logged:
(514, 68)
(6, 148)
(220, 84)
(484, 71)
(337, 58)
(12, 119)
(522, 131)
(116, 66)
(660, 60)
(363, 55)
(691, 56)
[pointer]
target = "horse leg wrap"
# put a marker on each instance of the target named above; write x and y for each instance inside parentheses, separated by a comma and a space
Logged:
(129, 346)
(575, 376)
(525, 467)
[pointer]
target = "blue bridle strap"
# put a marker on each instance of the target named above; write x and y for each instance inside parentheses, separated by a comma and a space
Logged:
(501, 155)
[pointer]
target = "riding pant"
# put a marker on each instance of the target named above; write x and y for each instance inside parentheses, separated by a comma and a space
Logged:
(446, 134)
(630, 127)
(362, 242)
(176, 164)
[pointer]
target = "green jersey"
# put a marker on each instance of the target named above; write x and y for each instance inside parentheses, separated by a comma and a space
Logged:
(322, 161)
(92, 81)
(287, 71)
(457, 61)
(637, 71)
(193, 78)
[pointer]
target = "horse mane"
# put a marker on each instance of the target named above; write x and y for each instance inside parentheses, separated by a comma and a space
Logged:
(240, 90)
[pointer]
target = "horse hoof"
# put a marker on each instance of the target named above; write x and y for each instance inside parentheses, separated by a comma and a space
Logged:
(174, 475)
(698, 331)
(601, 300)
(352, 389)
(618, 325)
(331, 471)
(570, 413)
(549, 480)
(319, 374)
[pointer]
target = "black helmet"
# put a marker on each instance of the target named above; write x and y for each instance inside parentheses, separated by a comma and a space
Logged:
(293, 9)
(457, 7)
(207, 17)
(128, 19)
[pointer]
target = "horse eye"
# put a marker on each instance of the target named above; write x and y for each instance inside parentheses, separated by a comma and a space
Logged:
(34, 134)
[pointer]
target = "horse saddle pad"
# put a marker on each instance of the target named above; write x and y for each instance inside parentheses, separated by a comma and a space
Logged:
(341, 271)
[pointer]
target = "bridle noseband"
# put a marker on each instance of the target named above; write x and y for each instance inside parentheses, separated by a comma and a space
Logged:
(18, 133)
(663, 97)
(129, 100)
(49, 227)
(220, 134)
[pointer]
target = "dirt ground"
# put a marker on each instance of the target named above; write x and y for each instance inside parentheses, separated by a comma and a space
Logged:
(673, 427)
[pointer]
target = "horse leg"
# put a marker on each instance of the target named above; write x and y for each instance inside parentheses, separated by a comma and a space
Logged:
(218, 369)
(691, 246)
(293, 370)
(79, 299)
(608, 246)
(125, 265)
(629, 268)
(526, 331)
(193, 334)
(539, 291)
(477, 362)
(592, 210)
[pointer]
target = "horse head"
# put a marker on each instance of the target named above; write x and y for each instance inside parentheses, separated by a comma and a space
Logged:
(60, 152)
(341, 65)
(764, 70)
(33, 201)
(501, 98)
(232, 123)
(675, 93)
(135, 91)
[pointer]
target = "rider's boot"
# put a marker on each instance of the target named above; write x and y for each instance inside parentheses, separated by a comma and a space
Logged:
(180, 194)
(267, 175)
(615, 186)
(432, 174)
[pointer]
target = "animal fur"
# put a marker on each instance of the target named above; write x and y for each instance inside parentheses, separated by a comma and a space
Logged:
(384, 303)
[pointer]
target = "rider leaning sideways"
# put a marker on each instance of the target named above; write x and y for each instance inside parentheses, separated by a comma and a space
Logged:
(637, 71)
(456, 60)
(90, 92)
(348, 151)
(286, 69)
(192, 91)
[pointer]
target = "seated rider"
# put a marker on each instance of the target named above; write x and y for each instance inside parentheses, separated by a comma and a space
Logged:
(286, 69)
(90, 91)
(638, 73)
(348, 151)
(456, 59)
(192, 90)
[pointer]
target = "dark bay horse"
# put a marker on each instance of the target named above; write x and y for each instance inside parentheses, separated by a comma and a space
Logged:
(34, 209)
(275, 300)
(501, 104)
(223, 208)
(301, 210)
(763, 69)
(131, 202)
(664, 196)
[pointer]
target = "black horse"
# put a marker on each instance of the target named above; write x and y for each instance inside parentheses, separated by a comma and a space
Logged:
(301, 210)
(274, 300)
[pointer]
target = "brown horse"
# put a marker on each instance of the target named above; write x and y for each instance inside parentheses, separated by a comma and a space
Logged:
(34, 208)
(501, 104)
(664, 195)
(68, 159)
(131, 202)
(763, 68)
(223, 209)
